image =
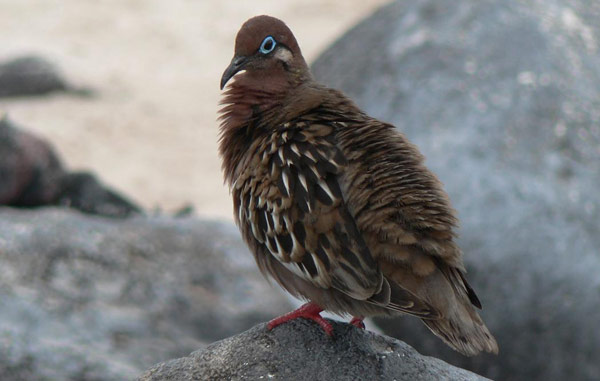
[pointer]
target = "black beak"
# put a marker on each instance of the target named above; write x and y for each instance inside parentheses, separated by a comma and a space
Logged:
(237, 64)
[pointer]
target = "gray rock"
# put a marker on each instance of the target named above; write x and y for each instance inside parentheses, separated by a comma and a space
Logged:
(503, 98)
(32, 174)
(32, 75)
(299, 350)
(91, 298)
(83, 191)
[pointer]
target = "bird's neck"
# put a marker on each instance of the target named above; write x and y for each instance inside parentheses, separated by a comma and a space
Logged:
(257, 94)
(250, 110)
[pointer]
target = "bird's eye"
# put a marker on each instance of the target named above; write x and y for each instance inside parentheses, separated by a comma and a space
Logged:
(267, 45)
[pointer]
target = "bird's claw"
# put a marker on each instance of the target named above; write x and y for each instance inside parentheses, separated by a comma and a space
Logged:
(357, 321)
(309, 311)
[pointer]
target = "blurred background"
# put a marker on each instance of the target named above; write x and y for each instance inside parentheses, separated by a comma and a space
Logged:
(150, 130)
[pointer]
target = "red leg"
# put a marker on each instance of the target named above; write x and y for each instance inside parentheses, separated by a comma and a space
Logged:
(308, 311)
(357, 321)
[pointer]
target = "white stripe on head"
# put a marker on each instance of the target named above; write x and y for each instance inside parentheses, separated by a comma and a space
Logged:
(284, 55)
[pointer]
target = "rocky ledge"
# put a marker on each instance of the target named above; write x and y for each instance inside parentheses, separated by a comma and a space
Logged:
(93, 298)
(299, 350)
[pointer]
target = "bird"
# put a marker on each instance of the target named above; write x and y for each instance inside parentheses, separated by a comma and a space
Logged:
(336, 206)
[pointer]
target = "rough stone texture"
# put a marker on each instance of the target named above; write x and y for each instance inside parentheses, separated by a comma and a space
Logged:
(503, 98)
(31, 174)
(32, 75)
(91, 298)
(299, 350)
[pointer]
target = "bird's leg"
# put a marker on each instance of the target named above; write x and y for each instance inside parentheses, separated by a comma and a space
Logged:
(308, 311)
(357, 321)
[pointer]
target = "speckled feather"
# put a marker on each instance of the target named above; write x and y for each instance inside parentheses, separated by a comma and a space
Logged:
(336, 206)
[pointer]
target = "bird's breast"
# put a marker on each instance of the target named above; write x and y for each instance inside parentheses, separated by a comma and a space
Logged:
(286, 189)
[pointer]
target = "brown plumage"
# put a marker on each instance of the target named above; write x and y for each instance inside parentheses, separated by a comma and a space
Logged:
(336, 206)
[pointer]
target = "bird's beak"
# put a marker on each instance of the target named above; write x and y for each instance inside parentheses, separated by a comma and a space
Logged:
(237, 64)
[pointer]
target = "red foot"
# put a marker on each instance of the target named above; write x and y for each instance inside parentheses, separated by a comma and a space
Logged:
(308, 311)
(357, 321)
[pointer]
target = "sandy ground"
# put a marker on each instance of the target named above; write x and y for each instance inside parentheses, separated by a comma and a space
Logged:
(151, 132)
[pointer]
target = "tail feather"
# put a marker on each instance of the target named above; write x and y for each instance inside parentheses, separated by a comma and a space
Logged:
(461, 327)
(445, 302)
(470, 292)
(468, 336)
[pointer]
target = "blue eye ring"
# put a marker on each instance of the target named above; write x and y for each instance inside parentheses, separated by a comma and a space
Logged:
(268, 45)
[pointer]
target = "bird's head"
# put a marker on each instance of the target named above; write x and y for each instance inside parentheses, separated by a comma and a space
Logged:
(267, 51)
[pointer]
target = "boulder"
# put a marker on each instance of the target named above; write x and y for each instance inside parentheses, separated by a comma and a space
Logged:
(83, 191)
(300, 350)
(33, 75)
(30, 171)
(92, 298)
(32, 174)
(503, 98)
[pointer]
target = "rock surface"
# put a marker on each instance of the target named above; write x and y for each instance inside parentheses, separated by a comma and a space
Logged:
(31, 174)
(503, 98)
(299, 350)
(32, 75)
(84, 192)
(91, 298)
(30, 171)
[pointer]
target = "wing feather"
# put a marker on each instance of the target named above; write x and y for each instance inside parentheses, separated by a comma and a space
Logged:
(306, 224)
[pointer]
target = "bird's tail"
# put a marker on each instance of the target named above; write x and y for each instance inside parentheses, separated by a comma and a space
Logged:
(464, 331)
